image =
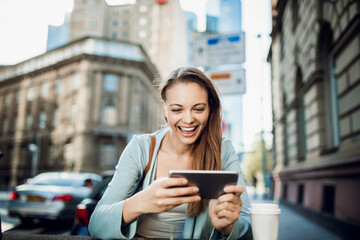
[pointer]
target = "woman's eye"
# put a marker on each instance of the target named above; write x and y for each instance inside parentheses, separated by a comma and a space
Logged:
(199, 109)
(175, 110)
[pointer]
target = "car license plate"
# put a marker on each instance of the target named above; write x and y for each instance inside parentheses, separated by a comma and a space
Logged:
(34, 198)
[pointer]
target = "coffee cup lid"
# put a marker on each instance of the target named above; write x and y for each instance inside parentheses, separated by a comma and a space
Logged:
(265, 208)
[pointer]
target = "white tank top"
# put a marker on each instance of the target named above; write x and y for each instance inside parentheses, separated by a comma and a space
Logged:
(168, 224)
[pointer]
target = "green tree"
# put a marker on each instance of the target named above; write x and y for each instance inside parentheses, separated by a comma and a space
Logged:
(252, 164)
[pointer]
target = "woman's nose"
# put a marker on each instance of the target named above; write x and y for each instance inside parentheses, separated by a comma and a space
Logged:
(188, 118)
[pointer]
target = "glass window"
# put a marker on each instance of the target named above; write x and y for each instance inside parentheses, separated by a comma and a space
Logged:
(115, 23)
(92, 11)
(42, 120)
(111, 82)
(45, 89)
(7, 99)
(332, 134)
(69, 155)
(109, 115)
(30, 94)
(29, 121)
(90, 24)
(18, 96)
(334, 110)
(114, 35)
(73, 114)
(15, 123)
(107, 155)
(142, 34)
(142, 21)
(56, 117)
(142, 8)
(76, 81)
(300, 117)
(5, 126)
(58, 85)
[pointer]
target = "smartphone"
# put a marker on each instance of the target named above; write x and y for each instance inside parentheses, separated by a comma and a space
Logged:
(211, 183)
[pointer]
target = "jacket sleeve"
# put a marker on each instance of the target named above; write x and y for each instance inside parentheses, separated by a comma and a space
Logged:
(106, 220)
(242, 228)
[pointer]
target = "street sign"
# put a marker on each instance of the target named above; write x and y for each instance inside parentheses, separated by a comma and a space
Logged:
(229, 82)
(219, 49)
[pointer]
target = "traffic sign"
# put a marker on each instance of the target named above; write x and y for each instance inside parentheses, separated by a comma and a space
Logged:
(229, 82)
(219, 49)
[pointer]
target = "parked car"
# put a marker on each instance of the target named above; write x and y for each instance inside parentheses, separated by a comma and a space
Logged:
(50, 195)
(87, 206)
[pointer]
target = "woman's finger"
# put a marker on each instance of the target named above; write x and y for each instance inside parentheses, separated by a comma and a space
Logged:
(182, 191)
(228, 206)
(172, 182)
(236, 189)
(230, 197)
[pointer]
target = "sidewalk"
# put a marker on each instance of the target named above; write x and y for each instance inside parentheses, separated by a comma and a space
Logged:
(294, 226)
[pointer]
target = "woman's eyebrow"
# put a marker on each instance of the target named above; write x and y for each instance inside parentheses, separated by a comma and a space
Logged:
(204, 104)
(195, 105)
(175, 105)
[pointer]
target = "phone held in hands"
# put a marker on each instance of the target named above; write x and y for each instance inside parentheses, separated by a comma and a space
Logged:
(211, 183)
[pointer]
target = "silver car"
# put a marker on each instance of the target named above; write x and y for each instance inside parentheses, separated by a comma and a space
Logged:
(51, 195)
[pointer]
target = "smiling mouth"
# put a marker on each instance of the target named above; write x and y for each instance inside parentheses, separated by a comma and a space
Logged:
(187, 130)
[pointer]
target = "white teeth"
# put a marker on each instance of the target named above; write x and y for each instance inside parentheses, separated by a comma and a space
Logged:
(187, 129)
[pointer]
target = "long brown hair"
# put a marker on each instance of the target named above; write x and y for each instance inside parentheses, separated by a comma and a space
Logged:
(207, 148)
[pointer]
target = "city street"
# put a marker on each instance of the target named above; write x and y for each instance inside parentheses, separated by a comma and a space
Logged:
(292, 225)
(14, 225)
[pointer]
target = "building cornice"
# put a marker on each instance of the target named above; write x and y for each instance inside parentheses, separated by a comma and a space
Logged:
(102, 47)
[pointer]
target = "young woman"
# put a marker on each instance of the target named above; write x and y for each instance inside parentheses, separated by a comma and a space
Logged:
(162, 207)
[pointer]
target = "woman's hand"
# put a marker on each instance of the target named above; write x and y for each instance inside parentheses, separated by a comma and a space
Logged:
(225, 210)
(166, 193)
(160, 196)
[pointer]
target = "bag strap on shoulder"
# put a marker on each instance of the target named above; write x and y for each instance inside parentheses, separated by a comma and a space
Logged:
(152, 148)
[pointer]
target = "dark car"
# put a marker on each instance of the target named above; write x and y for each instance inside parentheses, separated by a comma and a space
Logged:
(50, 195)
(87, 206)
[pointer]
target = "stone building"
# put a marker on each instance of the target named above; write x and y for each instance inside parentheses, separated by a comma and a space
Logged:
(315, 64)
(76, 107)
(159, 26)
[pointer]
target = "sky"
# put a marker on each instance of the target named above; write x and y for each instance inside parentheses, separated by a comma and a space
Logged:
(23, 35)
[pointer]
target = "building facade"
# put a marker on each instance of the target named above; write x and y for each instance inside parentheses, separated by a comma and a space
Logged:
(315, 65)
(159, 26)
(75, 108)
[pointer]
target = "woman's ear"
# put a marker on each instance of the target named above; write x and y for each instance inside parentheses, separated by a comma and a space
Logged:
(165, 112)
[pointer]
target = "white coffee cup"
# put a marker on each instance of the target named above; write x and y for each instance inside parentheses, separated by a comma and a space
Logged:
(265, 221)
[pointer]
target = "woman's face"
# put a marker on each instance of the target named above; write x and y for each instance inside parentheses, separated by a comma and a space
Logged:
(187, 111)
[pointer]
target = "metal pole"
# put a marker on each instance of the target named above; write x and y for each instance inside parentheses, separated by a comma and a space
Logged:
(34, 160)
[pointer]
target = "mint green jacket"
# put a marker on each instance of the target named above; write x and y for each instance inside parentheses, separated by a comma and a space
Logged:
(106, 220)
